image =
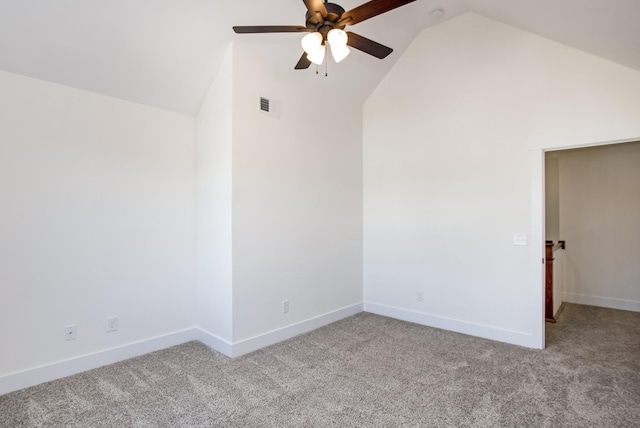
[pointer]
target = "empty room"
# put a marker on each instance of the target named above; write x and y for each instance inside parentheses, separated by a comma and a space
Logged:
(305, 213)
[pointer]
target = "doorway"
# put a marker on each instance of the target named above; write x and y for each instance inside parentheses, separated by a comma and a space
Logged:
(538, 147)
(592, 199)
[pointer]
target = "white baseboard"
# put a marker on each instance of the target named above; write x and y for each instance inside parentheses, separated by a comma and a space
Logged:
(49, 372)
(15, 381)
(215, 342)
(459, 326)
(604, 302)
(272, 337)
(37, 375)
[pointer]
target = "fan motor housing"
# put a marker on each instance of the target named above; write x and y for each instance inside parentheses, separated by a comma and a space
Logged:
(326, 24)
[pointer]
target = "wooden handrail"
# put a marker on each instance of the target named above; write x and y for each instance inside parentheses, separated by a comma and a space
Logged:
(557, 246)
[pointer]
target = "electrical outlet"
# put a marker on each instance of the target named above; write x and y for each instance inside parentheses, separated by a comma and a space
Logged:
(112, 324)
(285, 306)
(419, 296)
(70, 332)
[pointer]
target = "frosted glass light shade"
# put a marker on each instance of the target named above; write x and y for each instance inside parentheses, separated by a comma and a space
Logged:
(338, 41)
(312, 42)
(317, 57)
(339, 52)
(337, 37)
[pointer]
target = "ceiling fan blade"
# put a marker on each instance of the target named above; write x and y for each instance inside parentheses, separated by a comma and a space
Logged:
(371, 9)
(314, 6)
(304, 62)
(249, 29)
(363, 44)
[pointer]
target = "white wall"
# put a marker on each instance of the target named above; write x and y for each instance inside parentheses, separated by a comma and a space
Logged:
(447, 170)
(214, 139)
(600, 208)
(297, 201)
(96, 219)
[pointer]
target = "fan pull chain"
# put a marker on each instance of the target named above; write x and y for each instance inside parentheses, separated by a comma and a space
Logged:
(326, 68)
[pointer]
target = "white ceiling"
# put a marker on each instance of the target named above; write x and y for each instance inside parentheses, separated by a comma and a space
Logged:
(165, 53)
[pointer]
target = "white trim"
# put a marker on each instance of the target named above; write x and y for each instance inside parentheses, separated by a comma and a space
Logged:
(538, 247)
(214, 342)
(251, 344)
(585, 138)
(604, 302)
(451, 324)
(37, 375)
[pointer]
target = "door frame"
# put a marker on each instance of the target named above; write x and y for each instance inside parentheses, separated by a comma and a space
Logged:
(538, 145)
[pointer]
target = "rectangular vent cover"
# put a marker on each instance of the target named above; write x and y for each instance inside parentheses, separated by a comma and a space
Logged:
(269, 106)
(264, 104)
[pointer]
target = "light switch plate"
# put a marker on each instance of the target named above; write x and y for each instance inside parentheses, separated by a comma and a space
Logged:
(519, 239)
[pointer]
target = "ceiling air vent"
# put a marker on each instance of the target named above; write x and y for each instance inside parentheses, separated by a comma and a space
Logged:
(268, 106)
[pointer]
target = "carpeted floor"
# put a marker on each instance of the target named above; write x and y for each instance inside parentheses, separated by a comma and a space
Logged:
(364, 371)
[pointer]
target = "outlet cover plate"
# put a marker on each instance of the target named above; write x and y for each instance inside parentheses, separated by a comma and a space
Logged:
(112, 324)
(70, 332)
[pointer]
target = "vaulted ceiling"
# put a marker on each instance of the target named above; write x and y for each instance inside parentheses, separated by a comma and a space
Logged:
(165, 53)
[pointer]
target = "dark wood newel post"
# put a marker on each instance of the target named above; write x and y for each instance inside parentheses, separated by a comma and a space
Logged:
(548, 299)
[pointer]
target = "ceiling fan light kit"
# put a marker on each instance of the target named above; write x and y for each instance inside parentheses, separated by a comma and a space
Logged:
(317, 56)
(338, 40)
(337, 37)
(315, 47)
(339, 52)
(311, 42)
(325, 22)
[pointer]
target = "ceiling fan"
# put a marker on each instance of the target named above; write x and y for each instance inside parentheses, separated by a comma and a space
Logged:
(325, 22)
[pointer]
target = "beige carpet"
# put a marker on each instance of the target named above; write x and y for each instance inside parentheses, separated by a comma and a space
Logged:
(364, 371)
